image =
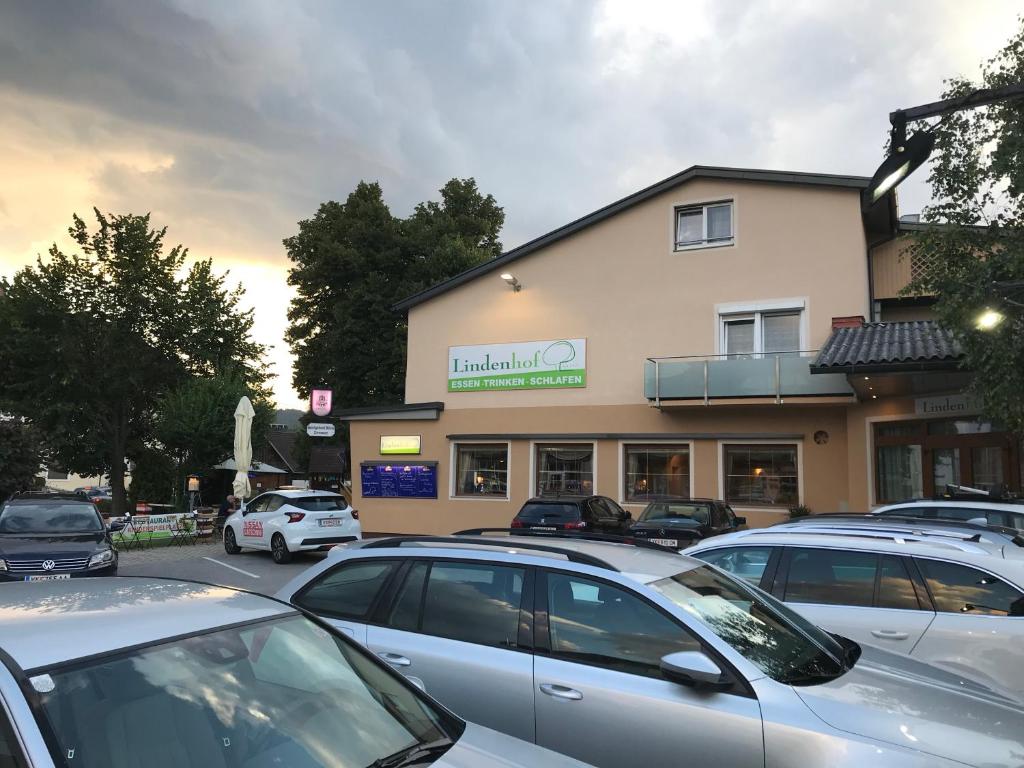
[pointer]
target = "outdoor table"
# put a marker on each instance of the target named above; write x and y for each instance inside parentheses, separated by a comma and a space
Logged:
(183, 530)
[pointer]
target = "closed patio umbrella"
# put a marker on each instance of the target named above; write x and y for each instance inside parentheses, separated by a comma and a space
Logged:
(244, 414)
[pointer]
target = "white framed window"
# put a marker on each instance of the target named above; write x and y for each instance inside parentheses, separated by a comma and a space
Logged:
(565, 467)
(761, 473)
(480, 470)
(705, 225)
(654, 468)
(751, 331)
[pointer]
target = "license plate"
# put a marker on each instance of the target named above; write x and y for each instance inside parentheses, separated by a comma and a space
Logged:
(329, 521)
(542, 528)
(49, 577)
(665, 542)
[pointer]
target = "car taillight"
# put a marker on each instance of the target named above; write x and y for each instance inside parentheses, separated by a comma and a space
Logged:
(294, 517)
(355, 514)
(517, 523)
(575, 525)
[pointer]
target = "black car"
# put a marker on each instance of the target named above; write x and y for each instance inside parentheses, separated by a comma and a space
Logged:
(597, 514)
(45, 537)
(678, 522)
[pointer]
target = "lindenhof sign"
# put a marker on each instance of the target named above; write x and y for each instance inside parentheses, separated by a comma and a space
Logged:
(557, 364)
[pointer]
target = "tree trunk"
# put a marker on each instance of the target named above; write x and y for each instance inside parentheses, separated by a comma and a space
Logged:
(118, 497)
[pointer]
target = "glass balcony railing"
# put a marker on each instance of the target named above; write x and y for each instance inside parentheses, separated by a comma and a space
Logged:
(775, 375)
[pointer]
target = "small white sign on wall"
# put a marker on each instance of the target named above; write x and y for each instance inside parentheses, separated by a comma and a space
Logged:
(946, 405)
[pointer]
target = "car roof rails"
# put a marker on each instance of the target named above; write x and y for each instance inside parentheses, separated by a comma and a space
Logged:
(608, 538)
(917, 523)
(949, 540)
(69, 495)
(571, 555)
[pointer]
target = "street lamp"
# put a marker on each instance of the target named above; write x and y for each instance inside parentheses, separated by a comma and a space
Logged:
(907, 155)
(989, 319)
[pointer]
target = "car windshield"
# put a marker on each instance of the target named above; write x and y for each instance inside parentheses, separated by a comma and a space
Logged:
(663, 510)
(50, 518)
(785, 646)
(533, 513)
(319, 503)
(283, 692)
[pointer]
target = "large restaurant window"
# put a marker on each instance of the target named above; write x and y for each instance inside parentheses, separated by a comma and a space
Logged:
(565, 469)
(662, 470)
(918, 459)
(761, 474)
(481, 469)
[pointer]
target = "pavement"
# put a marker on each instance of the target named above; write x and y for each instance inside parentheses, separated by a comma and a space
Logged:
(209, 562)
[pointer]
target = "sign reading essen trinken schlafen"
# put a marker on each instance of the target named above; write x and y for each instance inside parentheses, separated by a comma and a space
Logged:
(524, 365)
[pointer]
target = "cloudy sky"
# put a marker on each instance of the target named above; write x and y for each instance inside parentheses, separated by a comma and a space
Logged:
(230, 121)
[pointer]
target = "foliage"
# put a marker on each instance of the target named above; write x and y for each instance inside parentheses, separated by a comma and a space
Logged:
(800, 510)
(153, 479)
(89, 342)
(353, 261)
(21, 457)
(977, 179)
(195, 423)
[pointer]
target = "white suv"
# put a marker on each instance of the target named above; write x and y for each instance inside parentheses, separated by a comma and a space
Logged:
(952, 602)
(286, 522)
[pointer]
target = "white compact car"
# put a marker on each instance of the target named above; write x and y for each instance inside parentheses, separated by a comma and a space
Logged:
(286, 522)
(955, 603)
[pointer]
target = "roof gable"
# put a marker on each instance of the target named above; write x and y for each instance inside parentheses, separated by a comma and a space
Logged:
(693, 172)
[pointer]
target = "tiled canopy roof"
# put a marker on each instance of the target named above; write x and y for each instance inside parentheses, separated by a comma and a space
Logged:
(914, 344)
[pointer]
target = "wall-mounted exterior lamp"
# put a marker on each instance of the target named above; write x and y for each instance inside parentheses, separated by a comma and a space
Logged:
(509, 278)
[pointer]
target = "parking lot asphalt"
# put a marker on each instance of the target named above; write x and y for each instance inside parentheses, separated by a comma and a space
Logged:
(209, 562)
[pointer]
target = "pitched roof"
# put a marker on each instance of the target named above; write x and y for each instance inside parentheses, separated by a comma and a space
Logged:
(694, 171)
(911, 345)
(282, 441)
(327, 459)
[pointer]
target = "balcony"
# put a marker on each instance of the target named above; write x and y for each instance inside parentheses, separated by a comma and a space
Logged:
(739, 376)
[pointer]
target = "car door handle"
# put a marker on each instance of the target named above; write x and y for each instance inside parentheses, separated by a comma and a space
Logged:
(561, 692)
(395, 659)
(889, 634)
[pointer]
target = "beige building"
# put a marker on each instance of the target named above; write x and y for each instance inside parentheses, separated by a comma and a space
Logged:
(724, 333)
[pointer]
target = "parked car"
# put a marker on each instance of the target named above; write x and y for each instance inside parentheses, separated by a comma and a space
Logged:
(678, 522)
(573, 513)
(52, 537)
(198, 676)
(954, 603)
(286, 522)
(625, 656)
(1006, 514)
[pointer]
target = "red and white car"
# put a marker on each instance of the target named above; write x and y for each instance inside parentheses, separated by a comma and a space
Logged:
(286, 522)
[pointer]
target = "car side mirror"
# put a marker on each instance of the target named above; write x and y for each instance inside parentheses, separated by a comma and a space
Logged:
(695, 670)
(741, 521)
(629, 515)
(115, 525)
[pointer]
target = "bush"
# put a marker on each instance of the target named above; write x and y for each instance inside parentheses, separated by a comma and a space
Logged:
(800, 510)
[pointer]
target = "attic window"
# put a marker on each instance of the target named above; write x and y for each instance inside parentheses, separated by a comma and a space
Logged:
(704, 226)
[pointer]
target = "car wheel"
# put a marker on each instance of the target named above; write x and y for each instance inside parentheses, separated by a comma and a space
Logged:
(230, 545)
(279, 550)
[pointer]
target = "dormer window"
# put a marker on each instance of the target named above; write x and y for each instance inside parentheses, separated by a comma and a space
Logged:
(704, 226)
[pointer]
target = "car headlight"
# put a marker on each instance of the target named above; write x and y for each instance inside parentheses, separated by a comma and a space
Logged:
(101, 558)
(3, 564)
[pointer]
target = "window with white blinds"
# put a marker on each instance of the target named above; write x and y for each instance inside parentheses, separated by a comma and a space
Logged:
(755, 333)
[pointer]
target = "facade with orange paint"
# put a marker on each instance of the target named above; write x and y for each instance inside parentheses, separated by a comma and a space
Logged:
(725, 333)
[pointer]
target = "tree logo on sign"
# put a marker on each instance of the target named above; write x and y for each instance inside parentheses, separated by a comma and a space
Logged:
(558, 354)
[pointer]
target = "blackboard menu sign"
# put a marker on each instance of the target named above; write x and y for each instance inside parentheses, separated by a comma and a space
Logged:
(399, 481)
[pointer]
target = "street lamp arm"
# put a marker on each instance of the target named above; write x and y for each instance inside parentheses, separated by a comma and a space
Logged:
(900, 117)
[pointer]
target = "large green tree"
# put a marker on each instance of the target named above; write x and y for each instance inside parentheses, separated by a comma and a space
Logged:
(21, 456)
(354, 260)
(90, 341)
(977, 245)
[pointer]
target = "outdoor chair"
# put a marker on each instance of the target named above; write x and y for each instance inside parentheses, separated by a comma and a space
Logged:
(128, 537)
(183, 531)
